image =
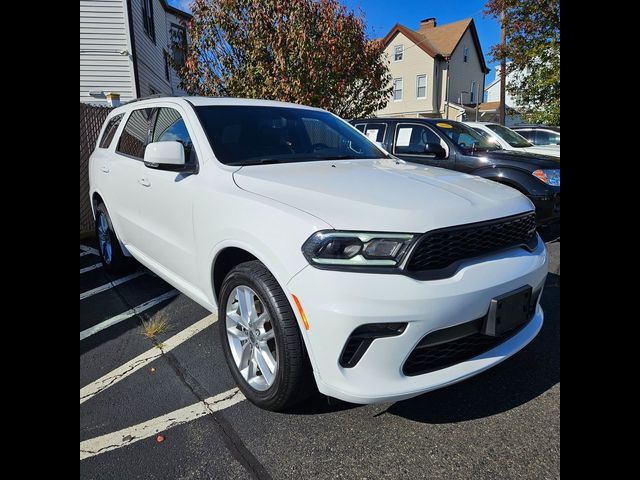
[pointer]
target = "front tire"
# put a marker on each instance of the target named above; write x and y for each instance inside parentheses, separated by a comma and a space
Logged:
(261, 339)
(113, 259)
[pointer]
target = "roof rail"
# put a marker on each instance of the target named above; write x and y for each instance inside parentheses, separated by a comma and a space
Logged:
(149, 97)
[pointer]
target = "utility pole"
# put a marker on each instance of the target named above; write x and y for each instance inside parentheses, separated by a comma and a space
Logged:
(446, 94)
(503, 72)
(478, 98)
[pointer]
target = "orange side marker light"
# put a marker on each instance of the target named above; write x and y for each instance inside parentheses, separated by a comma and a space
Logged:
(304, 317)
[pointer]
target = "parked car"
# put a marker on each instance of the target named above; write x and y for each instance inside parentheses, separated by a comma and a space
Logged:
(539, 134)
(329, 262)
(454, 145)
(511, 140)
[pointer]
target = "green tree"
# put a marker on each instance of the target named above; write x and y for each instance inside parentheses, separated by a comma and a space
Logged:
(532, 29)
(312, 52)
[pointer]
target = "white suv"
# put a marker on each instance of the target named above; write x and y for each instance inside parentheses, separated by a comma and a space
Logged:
(330, 263)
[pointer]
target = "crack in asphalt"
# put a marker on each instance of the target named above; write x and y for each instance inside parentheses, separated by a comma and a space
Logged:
(230, 437)
(110, 380)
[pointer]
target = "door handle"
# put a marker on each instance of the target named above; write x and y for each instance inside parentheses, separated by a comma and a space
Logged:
(104, 168)
(144, 182)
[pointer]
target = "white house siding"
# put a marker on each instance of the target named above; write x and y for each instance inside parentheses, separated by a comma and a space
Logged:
(103, 34)
(149, 56)
(415, 62)
(493, 90)
(462, 74)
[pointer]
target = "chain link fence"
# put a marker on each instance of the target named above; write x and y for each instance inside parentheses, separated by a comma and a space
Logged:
(91, 120)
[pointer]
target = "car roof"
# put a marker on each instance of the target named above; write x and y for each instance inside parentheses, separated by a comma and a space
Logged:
(547, 127)
(403, 119)
(205, 101)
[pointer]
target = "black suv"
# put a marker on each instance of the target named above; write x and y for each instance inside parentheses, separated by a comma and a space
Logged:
(453, 145)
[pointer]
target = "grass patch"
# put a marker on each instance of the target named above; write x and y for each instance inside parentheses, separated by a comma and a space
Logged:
(155, 326)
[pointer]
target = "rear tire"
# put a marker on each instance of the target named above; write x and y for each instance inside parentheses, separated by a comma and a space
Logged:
(259, 329)
(113, 259)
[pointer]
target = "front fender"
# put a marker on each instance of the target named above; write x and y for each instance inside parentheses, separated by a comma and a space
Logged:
(521, 180)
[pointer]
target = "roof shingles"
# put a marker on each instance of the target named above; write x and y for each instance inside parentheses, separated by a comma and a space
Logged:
(440, 41)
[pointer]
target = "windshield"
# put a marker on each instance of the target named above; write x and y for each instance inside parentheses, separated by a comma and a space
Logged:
(512, 138)
(251, 135)
(465, 137)
(487, 136)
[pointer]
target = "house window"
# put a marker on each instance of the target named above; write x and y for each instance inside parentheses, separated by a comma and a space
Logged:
(147, 18)
(178, 39)
(466, 54)
(421, 86)
(397, 89)
(472, 96)
(398, 53)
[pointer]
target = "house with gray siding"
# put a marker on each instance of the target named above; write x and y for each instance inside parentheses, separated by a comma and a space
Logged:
(124, 46)
(438, 71)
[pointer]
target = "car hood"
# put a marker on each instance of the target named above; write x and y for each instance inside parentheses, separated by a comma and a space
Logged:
(383, 194)
(525, 160)
(553, 150)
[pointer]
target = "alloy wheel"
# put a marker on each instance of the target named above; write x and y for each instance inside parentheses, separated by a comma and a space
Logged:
(251, 338)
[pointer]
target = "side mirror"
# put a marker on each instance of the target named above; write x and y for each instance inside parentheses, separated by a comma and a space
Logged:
(435, 149)
(165, 156)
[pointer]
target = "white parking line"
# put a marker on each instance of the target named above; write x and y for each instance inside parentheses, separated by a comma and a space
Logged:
(128, 314)
(91, 267)
(127, 436)
(112, 284)
(85, 253)
(140, 361)
(93, 251)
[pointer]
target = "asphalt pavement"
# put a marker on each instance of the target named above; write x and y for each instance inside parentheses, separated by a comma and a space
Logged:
(503, 423)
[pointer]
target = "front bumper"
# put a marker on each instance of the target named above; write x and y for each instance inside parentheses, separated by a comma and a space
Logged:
(336, 303)
(547, 208)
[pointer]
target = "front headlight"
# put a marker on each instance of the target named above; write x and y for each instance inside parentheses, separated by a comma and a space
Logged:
(549, 176)
(356, 249)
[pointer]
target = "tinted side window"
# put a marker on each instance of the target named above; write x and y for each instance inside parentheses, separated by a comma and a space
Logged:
(375, 131)
(134, 136)
(110, 131)
(528, 134)
(547, 138)
(170, 127)
(411, 139)
(360, 127)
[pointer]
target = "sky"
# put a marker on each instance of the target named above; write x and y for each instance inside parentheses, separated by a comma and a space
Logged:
(381, 15)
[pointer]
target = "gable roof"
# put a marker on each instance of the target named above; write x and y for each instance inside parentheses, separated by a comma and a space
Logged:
(440, 41)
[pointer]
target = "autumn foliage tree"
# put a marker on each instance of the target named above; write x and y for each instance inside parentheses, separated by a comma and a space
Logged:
(532, 47)
(312, 52)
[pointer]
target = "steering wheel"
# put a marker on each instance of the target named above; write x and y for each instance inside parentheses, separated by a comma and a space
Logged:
(463, 145)
(319, 146)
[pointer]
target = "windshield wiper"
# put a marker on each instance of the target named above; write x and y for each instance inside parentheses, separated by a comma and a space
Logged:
(339, 157)
(261, 161)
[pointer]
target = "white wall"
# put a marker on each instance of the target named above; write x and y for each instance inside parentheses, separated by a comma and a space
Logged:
(493, 92)
(104, 33)
(150, 60)
(462, 74)
(415, 62)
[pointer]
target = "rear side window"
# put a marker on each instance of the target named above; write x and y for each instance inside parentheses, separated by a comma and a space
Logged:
(528, 134)
(134, 136)
(544, 137)
(375, 131)
(170, 127)
(110, 131)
